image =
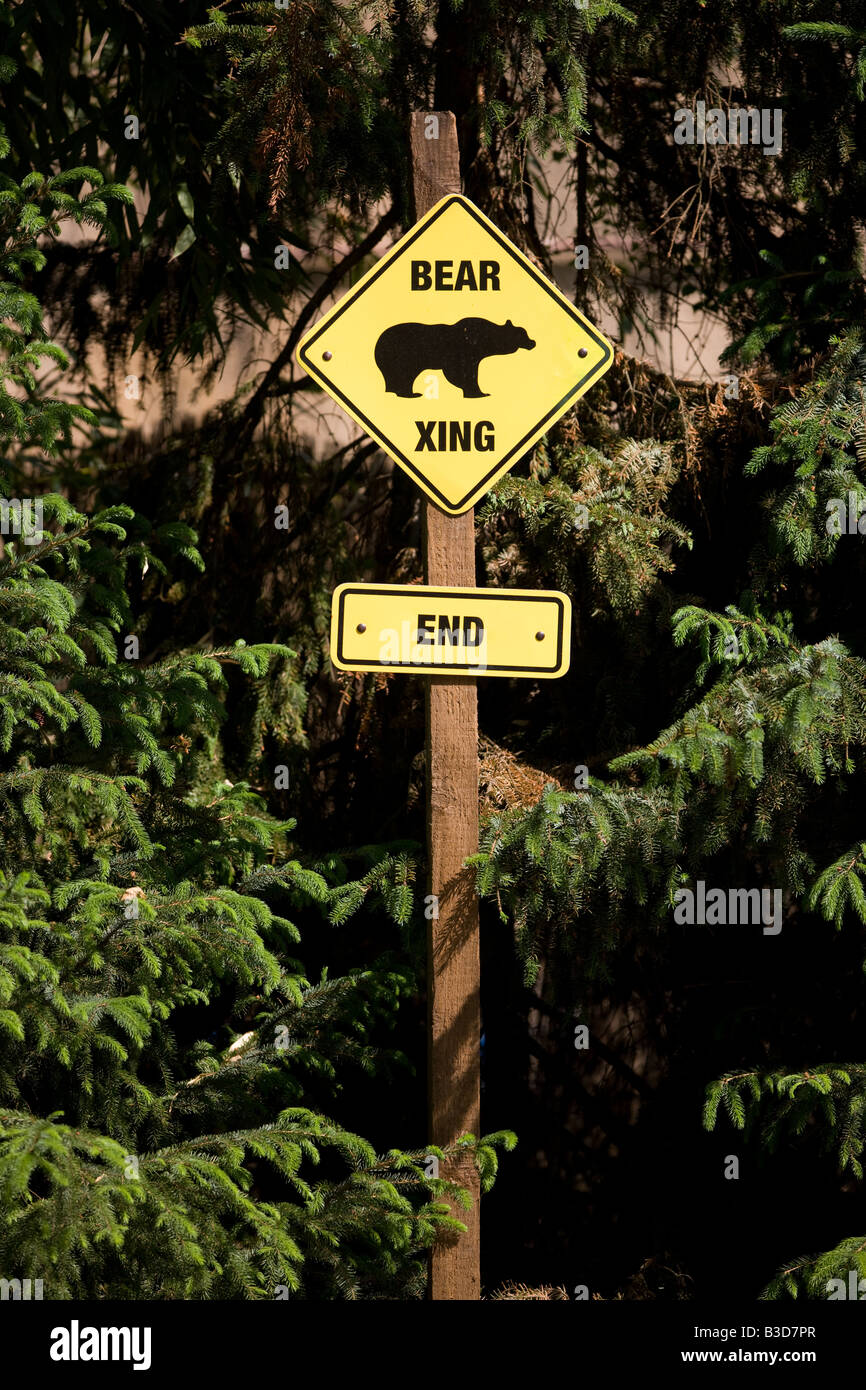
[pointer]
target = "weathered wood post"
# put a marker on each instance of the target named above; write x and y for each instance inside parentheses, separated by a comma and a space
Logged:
(453, 961)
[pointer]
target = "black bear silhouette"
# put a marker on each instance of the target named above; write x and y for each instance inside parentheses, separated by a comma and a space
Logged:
(454, 349)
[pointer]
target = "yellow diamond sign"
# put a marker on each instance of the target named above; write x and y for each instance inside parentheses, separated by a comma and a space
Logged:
(455, 354)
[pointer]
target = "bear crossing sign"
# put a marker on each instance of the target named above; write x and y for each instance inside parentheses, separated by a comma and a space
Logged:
(455, 353)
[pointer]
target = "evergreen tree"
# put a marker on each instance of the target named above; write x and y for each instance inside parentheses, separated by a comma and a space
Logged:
(746, 780)
(160, 1041)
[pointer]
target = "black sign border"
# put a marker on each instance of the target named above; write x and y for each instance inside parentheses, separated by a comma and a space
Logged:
(442, 668)
(353, 298)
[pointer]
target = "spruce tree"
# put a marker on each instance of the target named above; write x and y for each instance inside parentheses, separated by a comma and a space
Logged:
(750, 776)
(160, 1041)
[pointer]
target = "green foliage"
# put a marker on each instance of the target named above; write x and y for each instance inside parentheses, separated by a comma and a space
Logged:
(74, 77)
(270, 127)
(104, 938)
(816, 457)
(769, 723)
(831, 294)
(828, 1101)
(833, 1096)
(143, 1152)
(255, 120)
(585, 521)
(811, 1276)
(30, 210)
(777, 717)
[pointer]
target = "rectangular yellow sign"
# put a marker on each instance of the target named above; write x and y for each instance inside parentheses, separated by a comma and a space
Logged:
(433, 632)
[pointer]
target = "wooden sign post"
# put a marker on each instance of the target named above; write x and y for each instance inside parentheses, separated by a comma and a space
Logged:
(421, 334)
(453, 957)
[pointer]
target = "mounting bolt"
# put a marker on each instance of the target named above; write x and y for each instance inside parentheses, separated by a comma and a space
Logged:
(581, 352)
(326, 356)
(362, 627)
(539, 636)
